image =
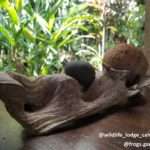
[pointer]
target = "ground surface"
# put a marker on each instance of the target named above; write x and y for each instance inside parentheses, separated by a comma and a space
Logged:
(10, 131)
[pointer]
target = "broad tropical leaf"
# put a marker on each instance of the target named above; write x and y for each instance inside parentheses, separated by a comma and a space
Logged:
(7, 35)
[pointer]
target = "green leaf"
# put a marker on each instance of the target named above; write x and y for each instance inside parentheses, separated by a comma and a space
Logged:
(54, 8)
(11, 10)
(66, 40)
(77, 9)
(51, 22)
(44, 70)
(4, 3)
(113, 29)
(69, 22)
(19, 5)
(7, 35)
(70, 39)
(13, 14)
(42, 22)
(28, 34)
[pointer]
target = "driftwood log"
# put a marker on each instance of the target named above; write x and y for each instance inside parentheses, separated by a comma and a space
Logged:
(29, 102)
(48, 103)
(131, 120)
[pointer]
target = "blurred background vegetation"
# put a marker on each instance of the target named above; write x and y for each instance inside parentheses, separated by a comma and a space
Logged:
(37, 37)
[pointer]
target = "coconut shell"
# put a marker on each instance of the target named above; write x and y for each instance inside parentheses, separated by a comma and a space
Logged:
(127, 57)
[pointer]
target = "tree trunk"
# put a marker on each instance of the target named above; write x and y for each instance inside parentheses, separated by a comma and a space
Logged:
(147, 32)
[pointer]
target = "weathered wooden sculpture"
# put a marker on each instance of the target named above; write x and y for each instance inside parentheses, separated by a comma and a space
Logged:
(49, 103)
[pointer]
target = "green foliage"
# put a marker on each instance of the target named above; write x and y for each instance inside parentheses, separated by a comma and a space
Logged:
(33, 36)
(6, 34)
(128, 18)
(38, 37)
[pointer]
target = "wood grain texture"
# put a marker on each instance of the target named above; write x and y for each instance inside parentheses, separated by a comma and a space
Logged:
(85, 133)
(57, 100)
(135, 119)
